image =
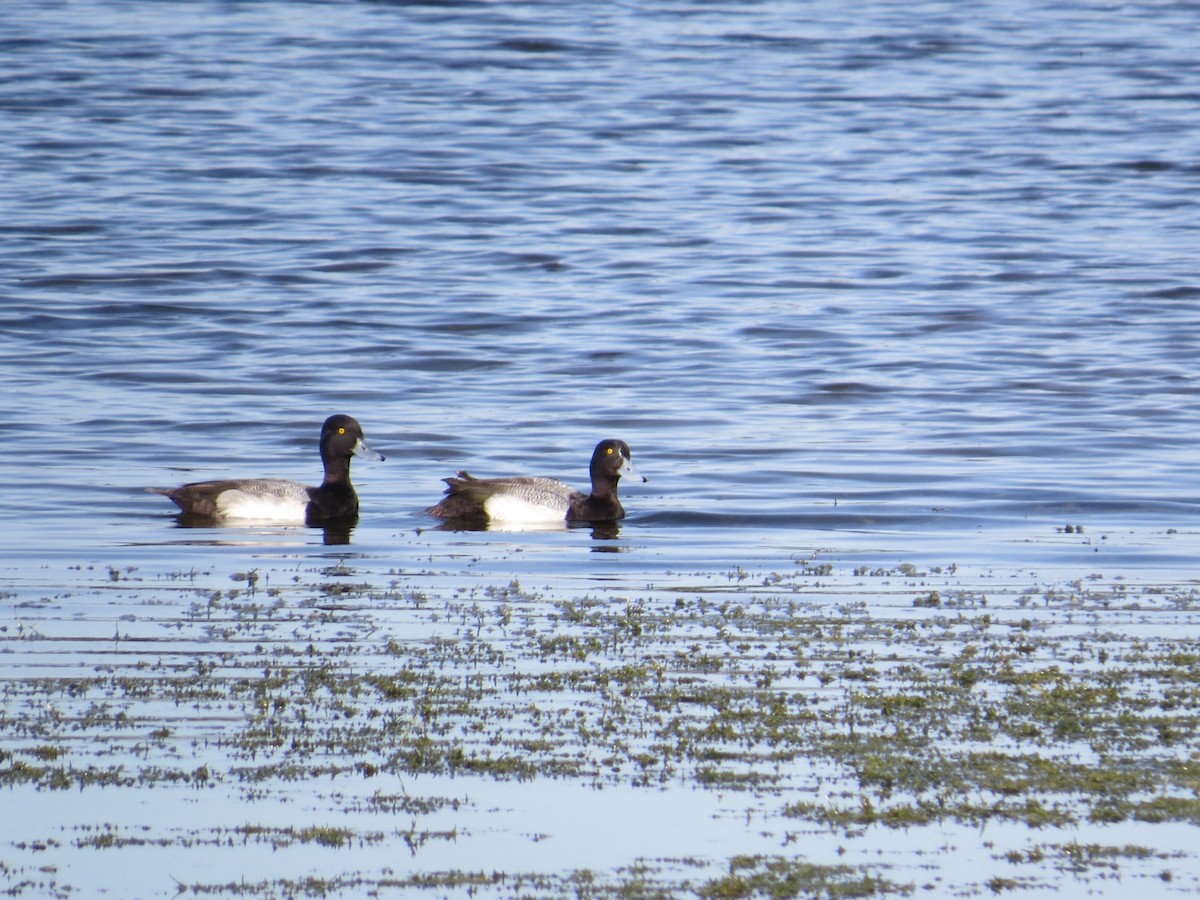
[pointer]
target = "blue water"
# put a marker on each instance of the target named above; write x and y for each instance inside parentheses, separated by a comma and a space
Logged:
(884, 281)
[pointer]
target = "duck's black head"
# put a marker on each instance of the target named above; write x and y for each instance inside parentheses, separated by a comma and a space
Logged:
(612, 459)
(342, 437)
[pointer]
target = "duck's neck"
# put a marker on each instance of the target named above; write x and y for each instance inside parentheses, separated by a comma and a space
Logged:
(604, 488)
(337, 471)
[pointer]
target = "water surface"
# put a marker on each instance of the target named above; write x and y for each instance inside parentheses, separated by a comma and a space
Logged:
(872, 287)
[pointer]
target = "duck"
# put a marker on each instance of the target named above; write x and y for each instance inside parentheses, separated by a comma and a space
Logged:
(529, 500)
(280, 500)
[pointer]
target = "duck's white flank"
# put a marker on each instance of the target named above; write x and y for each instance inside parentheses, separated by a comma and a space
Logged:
(517, 510)
(265, 500)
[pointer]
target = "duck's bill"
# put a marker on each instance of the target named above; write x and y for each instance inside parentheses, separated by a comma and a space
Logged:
(362, 451)
(628, 470)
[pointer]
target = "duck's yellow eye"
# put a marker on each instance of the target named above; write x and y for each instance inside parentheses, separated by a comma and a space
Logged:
(609, 451)
(341, 431)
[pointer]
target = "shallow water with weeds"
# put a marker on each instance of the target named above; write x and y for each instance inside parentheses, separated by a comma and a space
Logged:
(818, 723)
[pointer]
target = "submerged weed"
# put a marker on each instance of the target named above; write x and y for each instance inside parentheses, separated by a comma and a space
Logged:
(844, 715)
(782, 877)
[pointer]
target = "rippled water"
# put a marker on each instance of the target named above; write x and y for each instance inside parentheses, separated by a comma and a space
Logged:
(883, 282)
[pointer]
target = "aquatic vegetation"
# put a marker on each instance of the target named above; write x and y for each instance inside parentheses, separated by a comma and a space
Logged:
(787, 877)
(836, 716)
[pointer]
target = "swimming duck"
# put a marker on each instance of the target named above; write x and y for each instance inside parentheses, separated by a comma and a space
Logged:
(529, 499)
(279, 500)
